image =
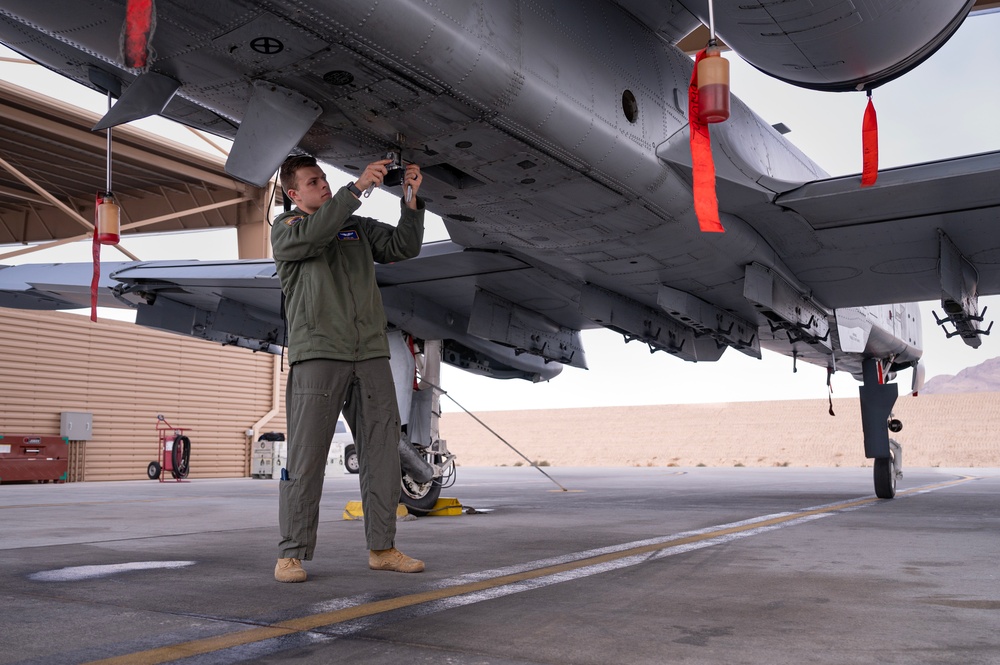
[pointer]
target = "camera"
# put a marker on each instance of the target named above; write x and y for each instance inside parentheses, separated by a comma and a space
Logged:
(394, 171)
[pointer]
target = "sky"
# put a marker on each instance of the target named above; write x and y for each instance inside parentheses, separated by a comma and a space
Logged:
(923, 116)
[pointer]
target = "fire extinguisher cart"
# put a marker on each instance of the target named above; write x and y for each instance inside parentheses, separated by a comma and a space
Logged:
(174, 452)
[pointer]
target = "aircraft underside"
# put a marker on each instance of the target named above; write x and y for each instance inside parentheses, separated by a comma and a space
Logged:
(556, 144)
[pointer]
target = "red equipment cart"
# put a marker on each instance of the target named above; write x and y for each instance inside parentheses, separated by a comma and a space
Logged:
(174, 452)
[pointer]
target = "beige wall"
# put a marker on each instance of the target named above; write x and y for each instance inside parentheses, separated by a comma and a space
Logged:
(125, 375)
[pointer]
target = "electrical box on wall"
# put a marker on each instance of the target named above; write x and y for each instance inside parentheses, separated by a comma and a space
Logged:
(76, 425)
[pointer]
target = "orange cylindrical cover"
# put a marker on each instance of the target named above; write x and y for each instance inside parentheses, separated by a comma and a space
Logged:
(108, 222)
(713, 87)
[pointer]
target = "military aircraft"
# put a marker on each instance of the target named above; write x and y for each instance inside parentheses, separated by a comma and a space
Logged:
(556, 138)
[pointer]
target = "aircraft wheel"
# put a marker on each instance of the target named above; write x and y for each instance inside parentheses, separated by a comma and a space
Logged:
(419, 498)
(885, 478)
(153, 470)
(351, 462)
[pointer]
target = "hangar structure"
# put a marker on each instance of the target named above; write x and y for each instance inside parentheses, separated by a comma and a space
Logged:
(48, 151)
(52, 166)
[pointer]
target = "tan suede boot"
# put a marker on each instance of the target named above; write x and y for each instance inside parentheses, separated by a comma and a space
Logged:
(393, 559)
(289, 570)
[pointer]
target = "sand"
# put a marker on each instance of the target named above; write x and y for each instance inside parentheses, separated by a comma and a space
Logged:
(955, 430)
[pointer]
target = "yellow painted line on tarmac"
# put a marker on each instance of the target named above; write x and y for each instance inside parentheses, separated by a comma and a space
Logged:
(936, 486)
(203, 646)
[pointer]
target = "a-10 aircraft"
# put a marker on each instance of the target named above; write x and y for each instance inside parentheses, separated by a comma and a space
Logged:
(555, 140)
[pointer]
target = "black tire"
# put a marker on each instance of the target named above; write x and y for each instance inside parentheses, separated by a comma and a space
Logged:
(419, 499)
(351, 461)
(885, 478)
(153, 470)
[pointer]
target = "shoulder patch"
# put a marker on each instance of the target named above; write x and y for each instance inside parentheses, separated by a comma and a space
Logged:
(292, 221)
(348, 235)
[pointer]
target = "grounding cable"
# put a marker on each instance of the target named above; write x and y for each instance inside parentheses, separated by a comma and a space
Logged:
(493, 432)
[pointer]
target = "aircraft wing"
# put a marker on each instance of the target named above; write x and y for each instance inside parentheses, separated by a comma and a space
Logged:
(919, 233)
(433, 296)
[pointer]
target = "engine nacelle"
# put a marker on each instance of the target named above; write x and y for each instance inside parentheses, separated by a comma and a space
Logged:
(834, 45)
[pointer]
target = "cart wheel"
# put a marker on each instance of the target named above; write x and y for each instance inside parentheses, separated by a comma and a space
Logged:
(153, 470)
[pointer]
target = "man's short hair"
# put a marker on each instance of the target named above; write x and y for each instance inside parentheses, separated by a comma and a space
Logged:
(287, 173)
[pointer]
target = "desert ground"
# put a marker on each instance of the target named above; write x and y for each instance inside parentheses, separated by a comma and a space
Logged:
(950, 430)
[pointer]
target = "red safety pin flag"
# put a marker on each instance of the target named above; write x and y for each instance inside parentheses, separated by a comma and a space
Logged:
(869, 145)
(137, 33)
(706, 204)
(96, 279)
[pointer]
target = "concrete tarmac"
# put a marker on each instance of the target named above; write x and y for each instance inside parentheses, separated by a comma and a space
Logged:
(630, 565)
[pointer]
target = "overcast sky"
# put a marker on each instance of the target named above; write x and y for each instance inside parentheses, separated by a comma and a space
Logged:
(924, 115)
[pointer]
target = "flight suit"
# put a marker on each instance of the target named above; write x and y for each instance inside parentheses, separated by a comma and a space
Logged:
(339, 360)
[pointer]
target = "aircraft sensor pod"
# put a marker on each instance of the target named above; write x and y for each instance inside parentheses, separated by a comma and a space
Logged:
(713, 86)
(108, 220)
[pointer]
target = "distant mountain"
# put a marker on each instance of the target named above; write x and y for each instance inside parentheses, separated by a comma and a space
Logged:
(981, 378)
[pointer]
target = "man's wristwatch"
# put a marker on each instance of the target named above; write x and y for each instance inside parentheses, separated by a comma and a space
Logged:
(353, 189)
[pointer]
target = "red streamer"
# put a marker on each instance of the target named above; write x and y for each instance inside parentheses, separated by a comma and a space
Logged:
(138, 33)
(413, 352)
(96, 279)
(869, 145)
(706, 204)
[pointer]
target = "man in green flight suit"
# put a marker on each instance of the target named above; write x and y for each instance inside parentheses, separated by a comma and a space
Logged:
(338, 353)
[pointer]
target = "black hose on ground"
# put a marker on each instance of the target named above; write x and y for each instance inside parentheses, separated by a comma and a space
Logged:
(181, 456)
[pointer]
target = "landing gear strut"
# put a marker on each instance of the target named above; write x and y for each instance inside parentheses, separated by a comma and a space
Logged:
(877, 400)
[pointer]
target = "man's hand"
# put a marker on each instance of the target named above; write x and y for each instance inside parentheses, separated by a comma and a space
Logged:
(411, 185)
(373, 174)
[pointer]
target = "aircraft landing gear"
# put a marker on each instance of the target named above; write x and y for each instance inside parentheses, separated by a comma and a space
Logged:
(420, 498)
(897, 455)
(885, 478)
(877, 400)
(889, 469)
